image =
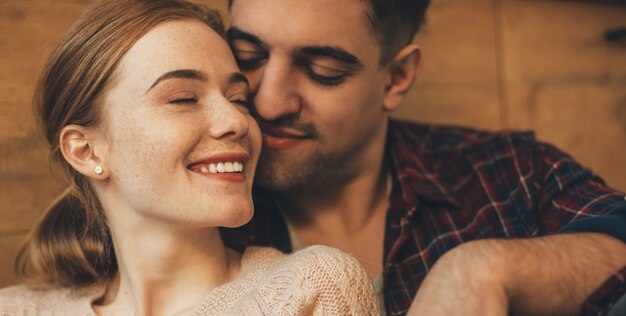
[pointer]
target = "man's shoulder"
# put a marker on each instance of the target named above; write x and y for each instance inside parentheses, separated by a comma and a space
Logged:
(433, 138)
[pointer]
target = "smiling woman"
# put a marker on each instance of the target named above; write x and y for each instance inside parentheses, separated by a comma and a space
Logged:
(146, 114)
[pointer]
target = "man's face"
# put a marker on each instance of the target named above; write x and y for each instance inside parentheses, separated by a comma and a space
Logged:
(317, 89)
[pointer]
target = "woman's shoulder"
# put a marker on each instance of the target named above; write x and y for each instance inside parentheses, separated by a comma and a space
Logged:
(331, 278)
(261, 256)
(317, 280)
(29, 300)
(327, 262)
(43, 300)
(321, 253)
(318, 261)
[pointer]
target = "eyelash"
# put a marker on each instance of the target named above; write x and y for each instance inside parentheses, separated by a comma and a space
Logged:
(250, 64)
(185, 101)
(324, 80)
(243, 103)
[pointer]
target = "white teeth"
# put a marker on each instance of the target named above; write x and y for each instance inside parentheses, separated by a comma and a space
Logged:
(222, 167)
(238, 166)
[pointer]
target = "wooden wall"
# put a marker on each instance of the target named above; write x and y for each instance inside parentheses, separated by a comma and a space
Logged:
(493, 64)
(524, 64)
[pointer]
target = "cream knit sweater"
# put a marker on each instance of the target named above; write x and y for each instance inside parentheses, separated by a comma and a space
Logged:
(314, 281)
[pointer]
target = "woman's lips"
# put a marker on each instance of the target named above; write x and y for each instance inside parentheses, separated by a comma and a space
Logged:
(227, 166)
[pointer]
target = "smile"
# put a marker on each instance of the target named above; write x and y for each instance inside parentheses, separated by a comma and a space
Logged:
(219, 167)
(224, 166)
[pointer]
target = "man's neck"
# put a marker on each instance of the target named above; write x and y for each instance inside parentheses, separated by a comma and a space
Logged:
(350, 218)
(347, 207)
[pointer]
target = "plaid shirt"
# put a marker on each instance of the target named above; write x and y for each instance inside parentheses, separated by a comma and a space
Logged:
(452, 185)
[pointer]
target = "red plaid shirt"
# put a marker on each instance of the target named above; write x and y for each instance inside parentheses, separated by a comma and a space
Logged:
(452, 185)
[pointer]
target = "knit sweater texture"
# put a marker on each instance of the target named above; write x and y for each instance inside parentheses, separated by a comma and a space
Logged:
(317, 280)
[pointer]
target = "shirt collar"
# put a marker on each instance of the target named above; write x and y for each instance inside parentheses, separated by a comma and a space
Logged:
(414, 172)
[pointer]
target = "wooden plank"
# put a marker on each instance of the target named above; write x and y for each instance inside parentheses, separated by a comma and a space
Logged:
(23, 200)
(557, 40)
(457, 105)
(9, 246)
(458, 82)
(565, 82)
(457, 41)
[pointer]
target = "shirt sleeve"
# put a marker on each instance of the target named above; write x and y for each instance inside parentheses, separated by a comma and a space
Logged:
(605, 299)
(572, 199)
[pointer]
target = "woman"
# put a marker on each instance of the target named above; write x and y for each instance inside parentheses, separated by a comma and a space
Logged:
(146, 114)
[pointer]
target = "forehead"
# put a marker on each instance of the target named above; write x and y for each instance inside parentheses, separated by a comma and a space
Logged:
(341, 23)
(181, 44)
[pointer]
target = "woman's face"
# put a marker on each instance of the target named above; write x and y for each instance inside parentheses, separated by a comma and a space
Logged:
(177, 137)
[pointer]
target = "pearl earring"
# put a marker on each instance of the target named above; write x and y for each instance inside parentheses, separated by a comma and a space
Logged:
(99, 170)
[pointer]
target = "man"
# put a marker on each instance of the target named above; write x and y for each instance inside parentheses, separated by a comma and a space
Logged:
(444, 210)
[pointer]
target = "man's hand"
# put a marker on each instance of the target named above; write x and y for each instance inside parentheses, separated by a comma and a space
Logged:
(550, 275)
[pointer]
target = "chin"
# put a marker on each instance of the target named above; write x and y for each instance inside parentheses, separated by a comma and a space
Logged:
(238, 217)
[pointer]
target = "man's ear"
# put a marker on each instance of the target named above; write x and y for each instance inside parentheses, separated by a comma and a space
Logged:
(77, 144)
(403, 69)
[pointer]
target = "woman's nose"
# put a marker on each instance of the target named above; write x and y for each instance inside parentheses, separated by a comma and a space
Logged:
(226, 119)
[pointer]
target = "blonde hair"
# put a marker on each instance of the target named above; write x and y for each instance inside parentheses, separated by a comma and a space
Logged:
(72, 246)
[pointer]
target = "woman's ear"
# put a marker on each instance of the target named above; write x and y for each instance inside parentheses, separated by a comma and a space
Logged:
(77, 144)
(403, 69)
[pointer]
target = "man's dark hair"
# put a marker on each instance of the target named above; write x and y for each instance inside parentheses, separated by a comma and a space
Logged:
(394, 23)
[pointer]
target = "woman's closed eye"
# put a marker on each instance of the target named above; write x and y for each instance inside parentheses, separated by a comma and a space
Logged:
(242, 102)
(184, 101)
(183, 98)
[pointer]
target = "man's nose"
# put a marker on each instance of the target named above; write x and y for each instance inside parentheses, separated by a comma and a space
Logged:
(275, 92)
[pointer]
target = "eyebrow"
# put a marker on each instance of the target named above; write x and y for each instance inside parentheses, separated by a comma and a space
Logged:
(180, 74)
(235, 33)
(332, 52)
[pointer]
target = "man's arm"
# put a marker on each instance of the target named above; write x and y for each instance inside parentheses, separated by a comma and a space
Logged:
(550, 275)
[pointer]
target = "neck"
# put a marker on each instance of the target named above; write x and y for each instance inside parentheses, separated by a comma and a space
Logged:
(163, 269)
(347, 208)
